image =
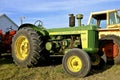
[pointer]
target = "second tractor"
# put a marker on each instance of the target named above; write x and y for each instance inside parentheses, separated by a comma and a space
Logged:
(108, 23)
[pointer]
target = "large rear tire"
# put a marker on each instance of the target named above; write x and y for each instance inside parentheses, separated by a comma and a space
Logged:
(76, 63)
(111, 47)
(27, 47)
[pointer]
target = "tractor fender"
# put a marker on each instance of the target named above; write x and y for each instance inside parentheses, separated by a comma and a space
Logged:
(25, 25)
(39, 30)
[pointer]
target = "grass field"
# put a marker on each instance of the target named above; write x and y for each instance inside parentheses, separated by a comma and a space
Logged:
(9, 71)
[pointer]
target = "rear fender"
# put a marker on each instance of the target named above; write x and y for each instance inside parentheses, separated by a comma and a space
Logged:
(26, 25)
(39, 30)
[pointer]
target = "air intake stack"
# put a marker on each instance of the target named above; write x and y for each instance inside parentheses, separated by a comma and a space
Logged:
(79, 17)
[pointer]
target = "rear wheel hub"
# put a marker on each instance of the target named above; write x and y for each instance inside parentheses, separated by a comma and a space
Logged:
(22, 47)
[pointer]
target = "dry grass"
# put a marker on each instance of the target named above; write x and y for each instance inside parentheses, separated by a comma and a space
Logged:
(9, 71)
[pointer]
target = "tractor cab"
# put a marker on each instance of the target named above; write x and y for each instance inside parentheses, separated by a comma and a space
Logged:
(105, 19)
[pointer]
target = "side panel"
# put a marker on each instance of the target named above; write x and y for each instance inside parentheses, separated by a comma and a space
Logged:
(84, 39)
(90, 41)
(93, 40)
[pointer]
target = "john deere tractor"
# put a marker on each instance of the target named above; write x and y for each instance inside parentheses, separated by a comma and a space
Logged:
(77, 44)
(108, 23)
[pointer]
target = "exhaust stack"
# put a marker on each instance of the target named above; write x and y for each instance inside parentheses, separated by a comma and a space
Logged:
(71, 20)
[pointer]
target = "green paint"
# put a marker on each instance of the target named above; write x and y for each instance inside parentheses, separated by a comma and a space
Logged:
(69, 30)
(93, 39)
(91, 50)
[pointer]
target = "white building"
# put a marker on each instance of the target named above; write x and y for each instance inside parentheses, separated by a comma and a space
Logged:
(6, 23)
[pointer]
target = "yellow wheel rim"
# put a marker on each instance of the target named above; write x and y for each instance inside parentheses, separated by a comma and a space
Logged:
(21, 47)
(74, 64)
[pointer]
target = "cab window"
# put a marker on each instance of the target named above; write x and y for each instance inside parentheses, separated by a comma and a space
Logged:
(112, 18)
(99, 20)
(93, 21)
(118, 17)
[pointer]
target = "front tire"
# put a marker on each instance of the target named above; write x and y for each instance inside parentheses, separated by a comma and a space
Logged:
(76, 63)
(27, 47)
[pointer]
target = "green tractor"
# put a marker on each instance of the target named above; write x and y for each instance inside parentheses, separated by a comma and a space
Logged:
(78, 45)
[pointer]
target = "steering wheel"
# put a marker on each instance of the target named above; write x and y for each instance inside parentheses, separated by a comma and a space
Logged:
(39, 23)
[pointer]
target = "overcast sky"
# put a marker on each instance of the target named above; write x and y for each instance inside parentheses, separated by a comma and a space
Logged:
(53, 13)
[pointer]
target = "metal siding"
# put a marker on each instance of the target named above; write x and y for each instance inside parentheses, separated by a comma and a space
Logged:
(6, 23)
